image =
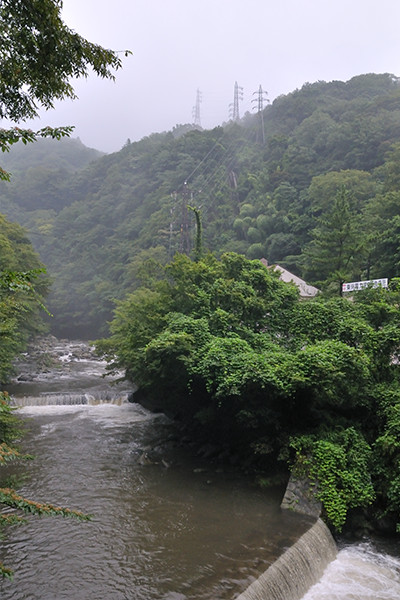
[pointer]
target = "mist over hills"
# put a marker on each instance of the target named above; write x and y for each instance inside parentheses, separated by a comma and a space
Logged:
(70, 155)
(95, 219)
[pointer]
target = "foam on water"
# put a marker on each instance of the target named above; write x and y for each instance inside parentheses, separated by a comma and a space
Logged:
(109, 414)
(359, 573)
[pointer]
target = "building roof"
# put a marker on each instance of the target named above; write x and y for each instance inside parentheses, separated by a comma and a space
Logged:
(306, 290)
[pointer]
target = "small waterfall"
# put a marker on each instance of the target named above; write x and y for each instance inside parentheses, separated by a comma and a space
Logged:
(72, 399)
(361, 571)
(295, 571)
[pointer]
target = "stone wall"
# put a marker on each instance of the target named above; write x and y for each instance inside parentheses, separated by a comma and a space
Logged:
(300, 497)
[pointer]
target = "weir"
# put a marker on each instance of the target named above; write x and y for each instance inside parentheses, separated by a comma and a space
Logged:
(72, 399)
(297, 569)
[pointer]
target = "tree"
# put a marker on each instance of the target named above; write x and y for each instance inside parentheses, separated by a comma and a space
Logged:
(360, 185)
(19, 303)
(168, 327)
(334, 253)
(23, 286)
(128, 198)
(228, 348)
(39, 56)
(381, 224)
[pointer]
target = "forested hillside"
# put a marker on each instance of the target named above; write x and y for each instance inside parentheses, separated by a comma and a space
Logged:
(318, 193)
(69, 155)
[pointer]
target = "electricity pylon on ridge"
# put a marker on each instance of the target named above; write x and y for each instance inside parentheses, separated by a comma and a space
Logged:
(234, 108)
(260, 99)
(196, 109)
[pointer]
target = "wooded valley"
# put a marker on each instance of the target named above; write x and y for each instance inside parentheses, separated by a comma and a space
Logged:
(320, 197)
(163, 239)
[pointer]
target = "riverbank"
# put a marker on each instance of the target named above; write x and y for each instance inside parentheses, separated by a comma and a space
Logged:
(57, 360)
(49, 358)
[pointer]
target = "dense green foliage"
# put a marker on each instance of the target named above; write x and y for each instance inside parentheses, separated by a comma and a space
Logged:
(20, 301)
(329, 147)
(338, 464)
(26, 162)
(39, 55)
(230, 349)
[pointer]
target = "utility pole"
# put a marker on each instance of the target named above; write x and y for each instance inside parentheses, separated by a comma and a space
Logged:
(171, 225)
(196, 109)
(186, 195)
(234, 108)
(261, 98)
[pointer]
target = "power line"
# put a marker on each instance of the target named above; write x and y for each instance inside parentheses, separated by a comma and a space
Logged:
(202, 160)
(222, 171)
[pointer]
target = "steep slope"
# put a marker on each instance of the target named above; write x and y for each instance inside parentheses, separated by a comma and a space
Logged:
(95, 228)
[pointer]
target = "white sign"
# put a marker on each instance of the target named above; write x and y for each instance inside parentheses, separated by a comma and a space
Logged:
(360, 285)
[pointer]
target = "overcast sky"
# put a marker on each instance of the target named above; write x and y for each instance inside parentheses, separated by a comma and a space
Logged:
(180, 46)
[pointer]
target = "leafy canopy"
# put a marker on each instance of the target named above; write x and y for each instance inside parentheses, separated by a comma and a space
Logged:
(23, 286)
(260, 203)
(39, 55)
(230, 349)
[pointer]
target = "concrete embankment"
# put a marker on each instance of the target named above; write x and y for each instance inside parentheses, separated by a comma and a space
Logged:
(297, 569)
(303, 564)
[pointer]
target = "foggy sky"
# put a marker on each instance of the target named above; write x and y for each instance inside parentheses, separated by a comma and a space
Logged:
(180, 46)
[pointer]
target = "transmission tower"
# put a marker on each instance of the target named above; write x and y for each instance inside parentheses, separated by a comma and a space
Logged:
(261, 97)
(234, 108)
(196, 109)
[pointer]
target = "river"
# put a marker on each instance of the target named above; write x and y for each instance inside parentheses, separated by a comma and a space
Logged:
(166, 523)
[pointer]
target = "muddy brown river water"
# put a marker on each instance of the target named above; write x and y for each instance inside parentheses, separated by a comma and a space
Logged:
(166, 524)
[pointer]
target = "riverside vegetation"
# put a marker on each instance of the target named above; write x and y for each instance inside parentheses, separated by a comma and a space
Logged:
(219, 340)
(230, 349)
(39, 55)
(20, 302)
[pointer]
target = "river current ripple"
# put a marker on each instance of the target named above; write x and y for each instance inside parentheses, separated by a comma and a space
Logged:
(166, 525)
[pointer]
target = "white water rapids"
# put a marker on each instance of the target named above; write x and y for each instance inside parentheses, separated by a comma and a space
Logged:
(360, 572)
